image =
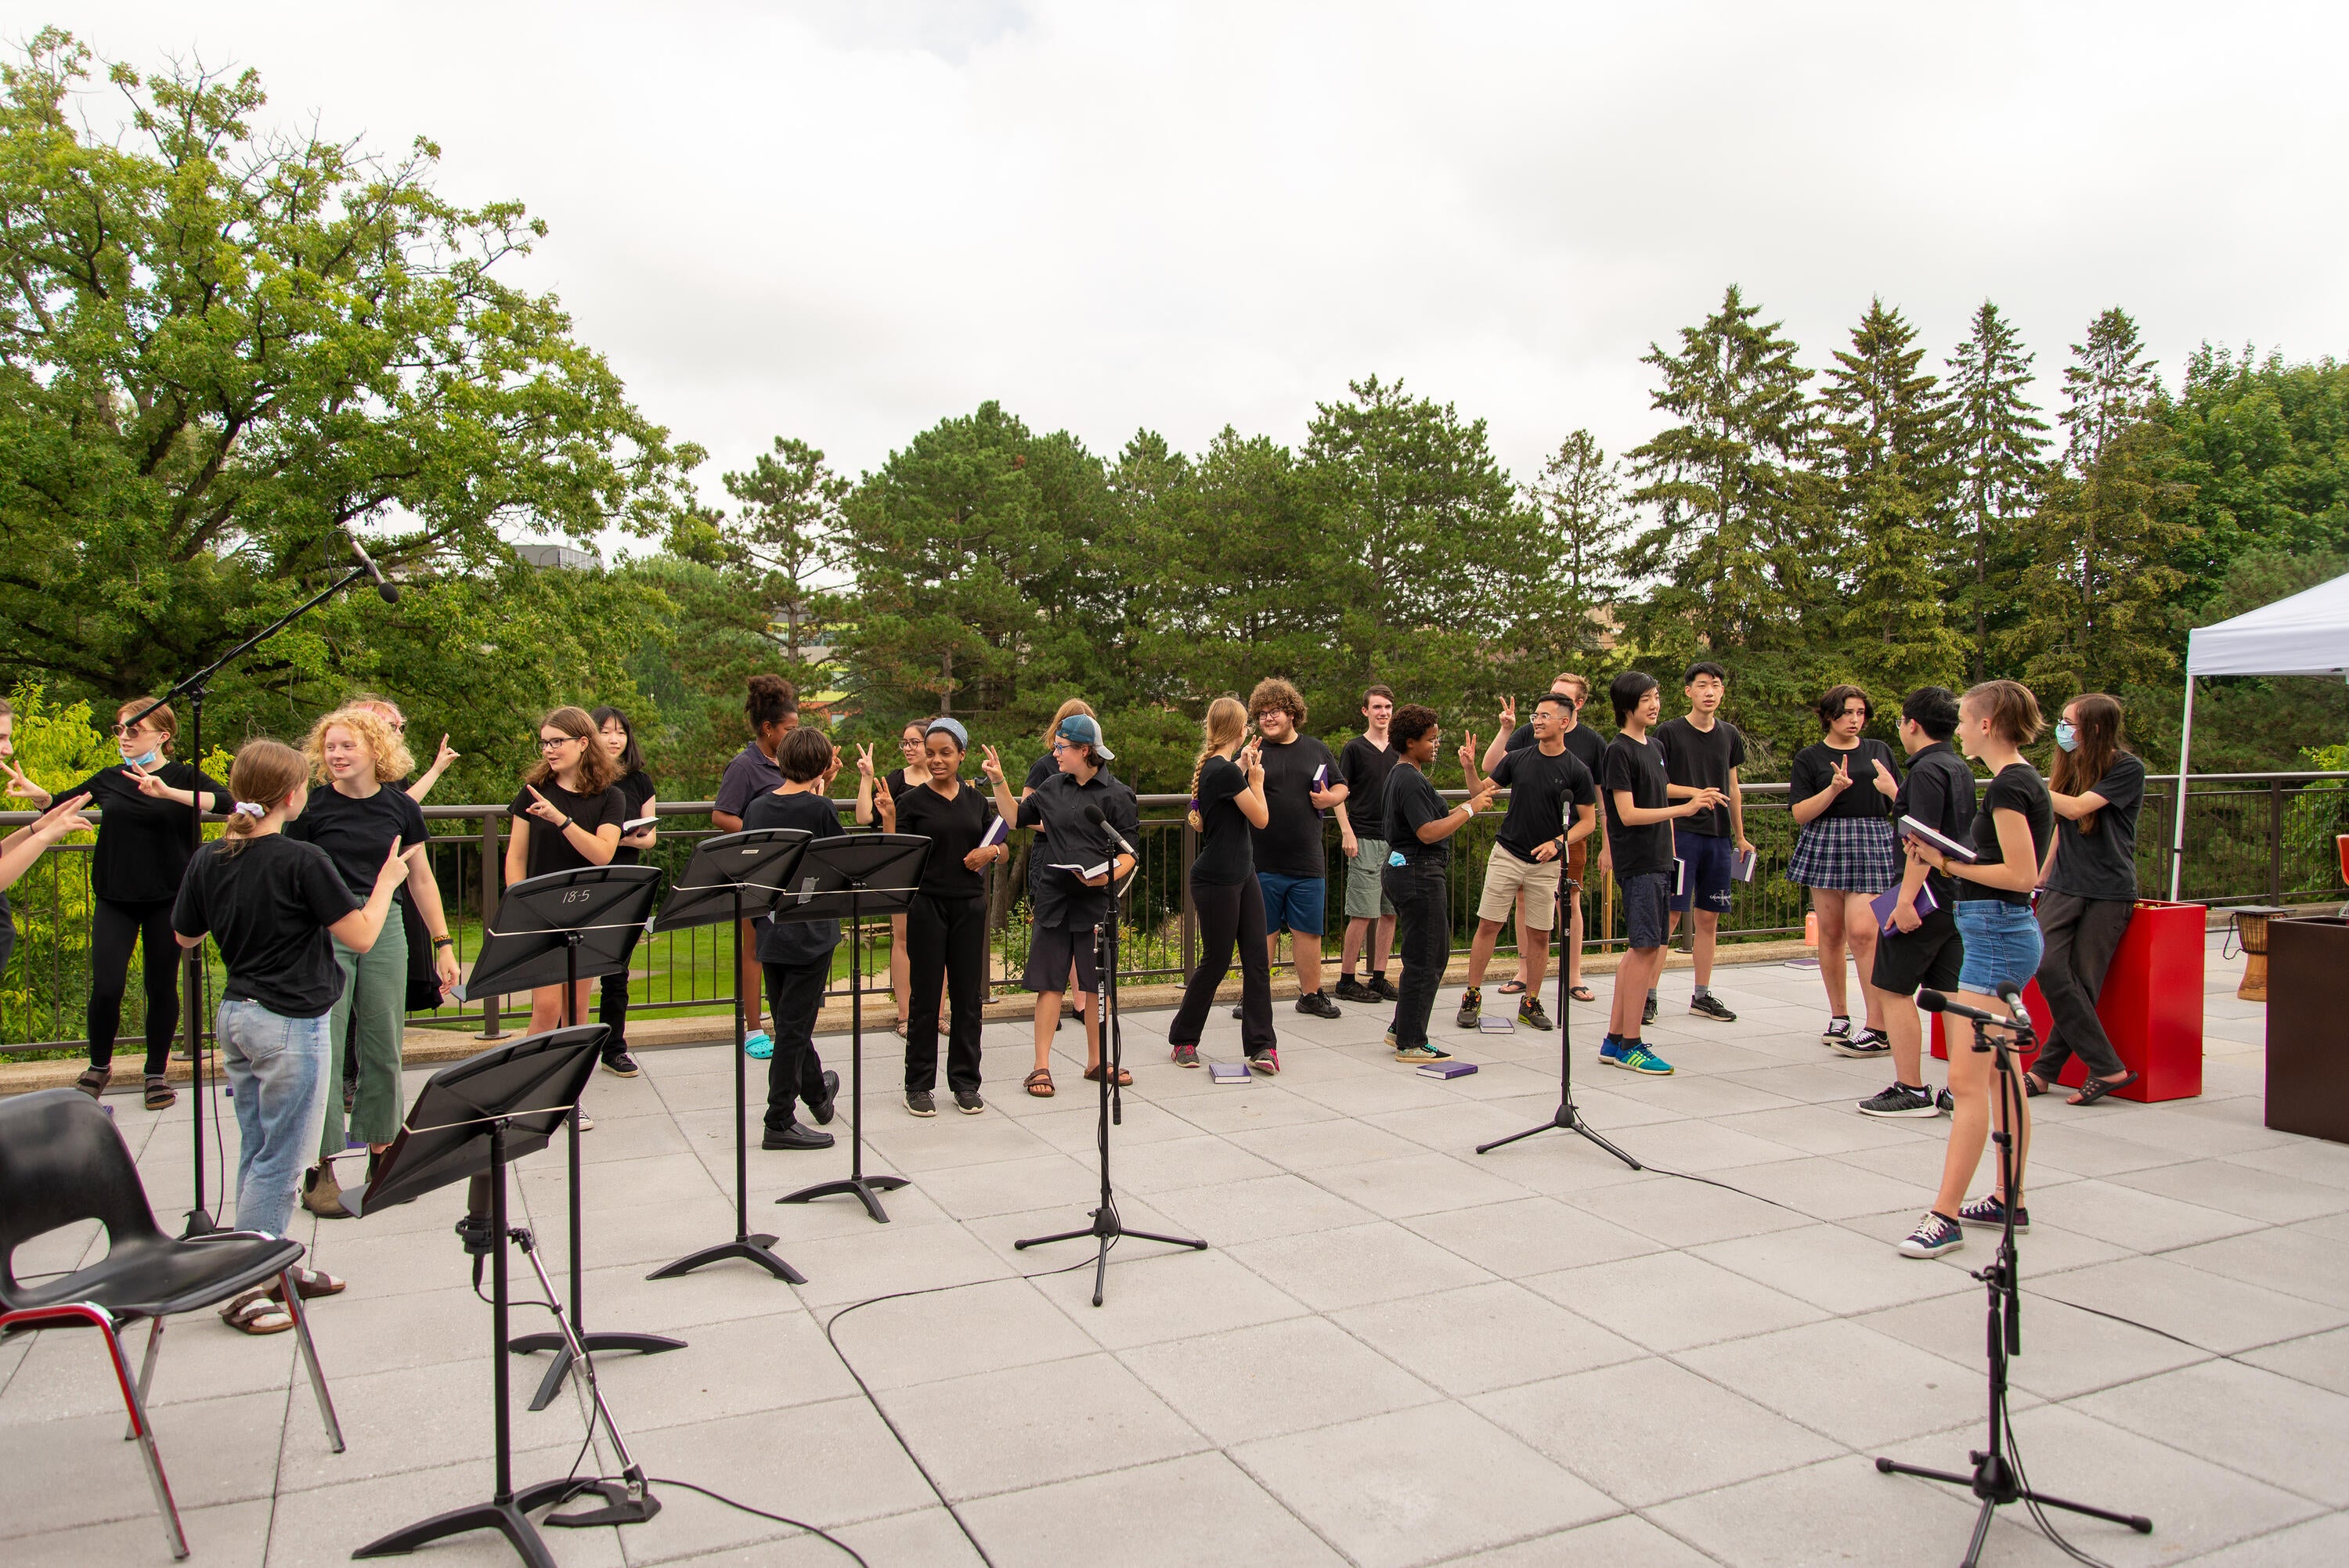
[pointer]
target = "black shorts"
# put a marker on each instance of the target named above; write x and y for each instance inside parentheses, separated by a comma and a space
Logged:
(1932, 954)
(1050, 950)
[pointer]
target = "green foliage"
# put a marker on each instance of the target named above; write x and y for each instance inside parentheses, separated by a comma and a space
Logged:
(1996, 439)
(2266, 446)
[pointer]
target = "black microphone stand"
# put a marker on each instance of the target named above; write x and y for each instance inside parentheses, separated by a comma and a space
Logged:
(193, 688)
(1566, 1118)
(1995, 1479)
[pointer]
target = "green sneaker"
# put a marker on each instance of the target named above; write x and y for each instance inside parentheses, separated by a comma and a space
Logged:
(1472, 1005)
(1427, 1053)
(1639, 1058)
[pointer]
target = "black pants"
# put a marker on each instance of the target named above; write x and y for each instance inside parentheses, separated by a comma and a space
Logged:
(113, 929)
(1423, 943)
(612, 1012)
(945, 937)
(794, 1072)
(2081, 935)
(1229, 913)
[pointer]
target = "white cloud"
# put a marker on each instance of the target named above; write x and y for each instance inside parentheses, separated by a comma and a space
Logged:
(845, 220)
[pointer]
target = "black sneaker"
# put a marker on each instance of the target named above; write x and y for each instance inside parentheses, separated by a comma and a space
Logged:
(1838, 1033)
(621, 1065)
(1935, 1234)
(967, 1101)
(1944, 1103)
(822, 1108)
(1381, 987)
(1319, 1005)
(1236, 1009)
(1900, 1100)
(1988, 1211)
(921, 1102)
(1869, 1042)
(1350, 989)
(1472, 1007)
(1710, 1007)
(1648, 1013)
(795, 1137)
(1530, 1015)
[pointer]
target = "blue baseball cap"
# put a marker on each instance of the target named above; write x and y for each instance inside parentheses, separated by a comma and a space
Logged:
(952, 726)
(1081, 730)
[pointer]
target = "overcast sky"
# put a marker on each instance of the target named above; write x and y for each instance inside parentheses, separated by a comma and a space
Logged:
(845, 220)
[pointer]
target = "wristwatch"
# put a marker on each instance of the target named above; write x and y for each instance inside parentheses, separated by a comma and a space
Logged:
(444, 942)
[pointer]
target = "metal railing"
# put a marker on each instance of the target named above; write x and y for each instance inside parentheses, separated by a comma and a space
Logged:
(2265, 838)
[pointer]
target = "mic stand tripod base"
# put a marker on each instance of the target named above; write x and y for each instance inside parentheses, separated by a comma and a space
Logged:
(1108, 1228)
(749, 1249)
(1566, 1118)
(860, 1187)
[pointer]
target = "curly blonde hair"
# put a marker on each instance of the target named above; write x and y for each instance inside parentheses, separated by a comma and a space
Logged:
(383, 743)
(1227, 721)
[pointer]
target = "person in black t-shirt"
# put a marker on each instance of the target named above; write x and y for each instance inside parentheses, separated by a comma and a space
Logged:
(1705, 751)
(638, 798)
(144, 839)
(1044, 768)
(1840, 790)
(1301, 781)
(946, 927)
(795, 955)
(355, 815)
(271, 904)
(908, 775)
(1553, 804)
(1643, 806)
(2090, 882)
(1076, 887)
(1590, 749)
(1227, 800)
(1365, 762)
(1419, 830)
(2011, 833)
(772, 710)
(567, 816)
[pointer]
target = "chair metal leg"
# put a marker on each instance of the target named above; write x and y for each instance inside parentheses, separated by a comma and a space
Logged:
(173, 1534)
(146, 1372)
(301, 1315)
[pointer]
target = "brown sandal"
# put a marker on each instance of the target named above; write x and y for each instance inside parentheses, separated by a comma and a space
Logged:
(92, 1082)
(1093, 1075)
(160, 1095)
(1040, 1083)
(255, 1313)
(311, 1284)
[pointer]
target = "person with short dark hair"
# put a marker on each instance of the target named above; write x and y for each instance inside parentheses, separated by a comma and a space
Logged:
(1077, 890)
(1301, 779)
(1553, 804)
(2012, 836)
(1365, 761)
(1039, 771)
(639, 798)
(2090, 891)
(772, 710)
(1840, 792)
(908, 776)
(1417, 827)
(794, 957)
(1704, 751)
(1923, 947)
(1590, 750)
(1641, 806)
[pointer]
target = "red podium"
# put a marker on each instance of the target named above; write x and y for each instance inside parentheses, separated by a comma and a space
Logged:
(2151, 1005)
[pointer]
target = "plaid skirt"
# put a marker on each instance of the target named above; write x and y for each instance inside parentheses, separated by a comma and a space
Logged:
(1848, 854)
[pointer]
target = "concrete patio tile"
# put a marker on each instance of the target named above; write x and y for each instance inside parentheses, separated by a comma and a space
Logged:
(1486, 1336)
(1177, 1513)
(1824, 1129)
(1822, 1187)
(1419, 1486)
(1361, 1264)
(1681, 1214)
(1367, 1094)
(2295, 1259)
(1834, 1268)
(1525, 1236)
(1825, 1080)
(1842, 1511)
(1846, 1379)
(1233, 1214)
(231, 1534)
(1257, 1105)
(1404, 1186)
(2320, 1359)
(925, 1339)
(1010, 1186)
(1025, 1426)
(322, 1526)
(877, 1260)
(64, 1372)
(928, 1536)
(2233, 1189)
(1156, 1295)
(731, 1369)
(2140, 1220)
(2182, 1129)
(1274, 1378)
(1624, 1541)
(1710, 1095)
(1648, 1431)
(2317, 1543)
(2282, 1431)
(948, 1141)
(1455, 1127)
(1670, 1301)
(2305, 1159)
(2201, 1307)
(80, 1471)
(1323, 1145)
(2082, 1144)
(2066, 1351)
(1195, 1160)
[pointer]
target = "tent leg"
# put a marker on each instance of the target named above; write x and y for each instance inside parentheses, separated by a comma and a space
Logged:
(2177, 806)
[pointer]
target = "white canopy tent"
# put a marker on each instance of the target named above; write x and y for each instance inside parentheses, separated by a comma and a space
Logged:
(2306, 634)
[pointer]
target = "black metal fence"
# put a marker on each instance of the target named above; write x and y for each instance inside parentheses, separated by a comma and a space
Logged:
(2265, 838)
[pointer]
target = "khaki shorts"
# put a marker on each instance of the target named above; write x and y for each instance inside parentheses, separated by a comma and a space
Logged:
(1506, 876)
(1366, 899)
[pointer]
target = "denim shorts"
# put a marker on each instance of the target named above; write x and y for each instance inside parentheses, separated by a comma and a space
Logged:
(2003, 944)
(1647, 909)
(1293, 904)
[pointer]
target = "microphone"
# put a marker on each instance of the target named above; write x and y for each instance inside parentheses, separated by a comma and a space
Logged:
(1093, 815)
(390, 591)
(2012, 994)
(1934, 1001)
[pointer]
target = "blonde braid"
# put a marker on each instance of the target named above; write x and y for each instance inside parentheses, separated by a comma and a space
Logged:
(1196, 768)
(1226, 723)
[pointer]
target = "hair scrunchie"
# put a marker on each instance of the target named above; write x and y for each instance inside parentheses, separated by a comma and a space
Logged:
(253, 809)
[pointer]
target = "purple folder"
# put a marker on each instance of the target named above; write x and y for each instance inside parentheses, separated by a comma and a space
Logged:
(1882, 904)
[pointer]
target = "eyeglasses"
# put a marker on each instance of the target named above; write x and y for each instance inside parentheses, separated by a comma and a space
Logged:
(547, 742)
(132, 728)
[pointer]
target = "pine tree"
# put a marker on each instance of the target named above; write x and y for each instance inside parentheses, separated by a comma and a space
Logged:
(1887, 431)
(787, 538)
(1996, 442)
(1580, 500)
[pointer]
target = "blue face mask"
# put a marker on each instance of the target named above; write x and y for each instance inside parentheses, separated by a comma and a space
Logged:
(2066, 737)
(154, 757)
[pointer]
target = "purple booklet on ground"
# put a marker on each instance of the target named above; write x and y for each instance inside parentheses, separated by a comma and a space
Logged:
(1882, 904)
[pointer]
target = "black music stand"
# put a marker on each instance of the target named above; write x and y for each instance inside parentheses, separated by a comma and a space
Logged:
(730, 877)
(852, 877)
(558, 930)
(1566, 1118)
(469, 1120)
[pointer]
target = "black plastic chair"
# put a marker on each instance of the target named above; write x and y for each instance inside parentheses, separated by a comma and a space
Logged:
(61, 1161)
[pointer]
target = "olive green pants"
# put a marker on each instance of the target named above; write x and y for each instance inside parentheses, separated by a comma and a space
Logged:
(375, 993)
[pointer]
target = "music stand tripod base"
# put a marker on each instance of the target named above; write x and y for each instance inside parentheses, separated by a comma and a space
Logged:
(1566, 1118)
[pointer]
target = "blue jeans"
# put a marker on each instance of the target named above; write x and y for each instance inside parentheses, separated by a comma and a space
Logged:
(2003, 944)
(277, 1070)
